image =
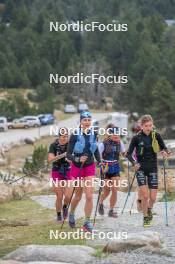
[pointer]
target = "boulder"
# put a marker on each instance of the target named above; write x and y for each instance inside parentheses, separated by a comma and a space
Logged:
(35, 187)
(15, 144)
(5, 148)
(69, 254)
(20, 170)
(18, 192)
(3, 162)
(148, 240)
(5, 193)
(29, 188)
(30, 140)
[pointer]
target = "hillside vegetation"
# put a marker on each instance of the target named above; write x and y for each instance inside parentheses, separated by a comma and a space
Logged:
(145, 53)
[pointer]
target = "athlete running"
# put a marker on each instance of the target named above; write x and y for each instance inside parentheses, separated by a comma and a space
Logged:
(60, 173)
(110, 150)
(81, 151)
(147, 144)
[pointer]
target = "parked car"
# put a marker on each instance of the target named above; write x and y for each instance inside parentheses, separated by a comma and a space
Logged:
(32, 121)
(3, 124)
(82, 107)
(18, 123)
(70, 109)
(46, 119)
(95, 125)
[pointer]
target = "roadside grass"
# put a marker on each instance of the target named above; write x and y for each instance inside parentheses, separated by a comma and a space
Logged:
(64, 116)
(170, 197)
(17, 155)
(40, 220)
(99, 253)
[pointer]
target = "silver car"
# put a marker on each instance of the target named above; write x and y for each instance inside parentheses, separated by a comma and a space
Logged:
(70, 109)
(32, 121)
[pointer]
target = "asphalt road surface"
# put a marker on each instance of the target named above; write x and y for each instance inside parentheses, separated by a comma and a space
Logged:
(15, 135)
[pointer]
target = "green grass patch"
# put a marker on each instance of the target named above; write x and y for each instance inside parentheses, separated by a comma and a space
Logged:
(170, 197)
(65, 116)
(99, 252)
(40, 220)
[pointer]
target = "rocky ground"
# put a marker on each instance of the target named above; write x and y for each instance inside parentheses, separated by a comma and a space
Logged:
(152, 245)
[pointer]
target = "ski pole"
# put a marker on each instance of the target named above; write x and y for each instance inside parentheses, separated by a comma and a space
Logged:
(36, 170)
(128, 192)
(99, 193)
(165, 194)
(128, 179)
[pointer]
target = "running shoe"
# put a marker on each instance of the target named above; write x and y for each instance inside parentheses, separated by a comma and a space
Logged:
(112, 214)
(101, 209)
(146, 222)
(87, 227)
(59, 218)
(72, 220)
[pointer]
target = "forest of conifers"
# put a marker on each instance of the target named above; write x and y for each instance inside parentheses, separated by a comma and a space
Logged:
(145, 53)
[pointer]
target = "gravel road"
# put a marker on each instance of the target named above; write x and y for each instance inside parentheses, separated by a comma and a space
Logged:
(130, 223)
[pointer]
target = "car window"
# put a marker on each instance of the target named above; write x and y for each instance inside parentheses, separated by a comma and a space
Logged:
(31, 119)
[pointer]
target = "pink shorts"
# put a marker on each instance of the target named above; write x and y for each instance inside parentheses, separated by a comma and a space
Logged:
(58, 176)
(87, 171)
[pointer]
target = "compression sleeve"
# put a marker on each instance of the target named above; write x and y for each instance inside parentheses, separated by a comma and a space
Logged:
(101, 148)
(122, 147)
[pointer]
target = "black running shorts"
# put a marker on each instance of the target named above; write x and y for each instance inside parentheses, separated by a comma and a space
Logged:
(147, 177)
(108, 176)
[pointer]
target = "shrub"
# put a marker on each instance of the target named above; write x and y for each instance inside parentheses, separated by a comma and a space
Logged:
(37, 162)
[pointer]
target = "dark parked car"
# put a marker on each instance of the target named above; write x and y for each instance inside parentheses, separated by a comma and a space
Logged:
(46, 119)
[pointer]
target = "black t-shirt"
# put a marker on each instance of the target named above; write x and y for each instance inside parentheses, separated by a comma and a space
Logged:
(57, 149)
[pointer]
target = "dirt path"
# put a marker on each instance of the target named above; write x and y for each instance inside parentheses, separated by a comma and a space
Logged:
(130, 223)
